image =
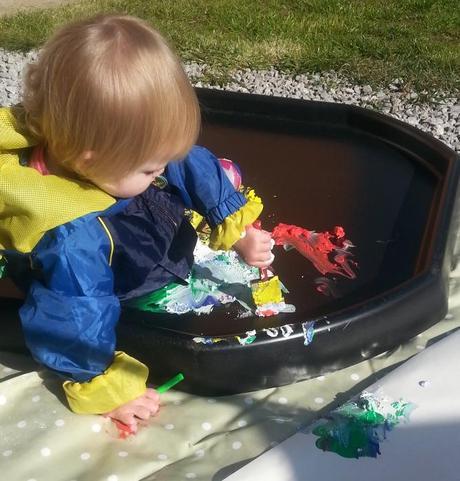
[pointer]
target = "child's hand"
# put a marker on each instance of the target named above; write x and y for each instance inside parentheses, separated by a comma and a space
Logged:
(256, 247)
(142, 407)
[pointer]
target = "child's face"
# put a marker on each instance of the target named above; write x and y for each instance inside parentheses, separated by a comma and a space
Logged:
(133, 183)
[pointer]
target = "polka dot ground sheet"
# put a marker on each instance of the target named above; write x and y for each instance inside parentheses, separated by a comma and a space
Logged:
(192, 437)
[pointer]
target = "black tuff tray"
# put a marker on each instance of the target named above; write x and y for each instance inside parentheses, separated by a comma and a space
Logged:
(315, 164)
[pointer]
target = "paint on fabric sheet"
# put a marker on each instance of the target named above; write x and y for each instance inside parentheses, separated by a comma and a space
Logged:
(357, 428)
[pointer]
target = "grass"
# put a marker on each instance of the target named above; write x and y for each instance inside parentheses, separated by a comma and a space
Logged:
(370, 41)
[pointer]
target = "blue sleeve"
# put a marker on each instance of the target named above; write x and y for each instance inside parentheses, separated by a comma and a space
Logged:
(204, 187)
(69, 316)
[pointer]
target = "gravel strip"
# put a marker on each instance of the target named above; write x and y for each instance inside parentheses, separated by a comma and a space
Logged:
(439, 117)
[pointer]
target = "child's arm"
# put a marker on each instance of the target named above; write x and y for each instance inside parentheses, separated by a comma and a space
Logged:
(69, 319)
(205, 188)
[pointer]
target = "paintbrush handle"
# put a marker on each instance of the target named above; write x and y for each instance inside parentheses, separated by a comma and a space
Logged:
(263, 271)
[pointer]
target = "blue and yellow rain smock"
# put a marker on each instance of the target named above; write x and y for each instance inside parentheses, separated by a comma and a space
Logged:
(78, 254)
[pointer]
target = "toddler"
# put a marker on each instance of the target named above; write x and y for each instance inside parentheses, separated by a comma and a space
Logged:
(84, 224)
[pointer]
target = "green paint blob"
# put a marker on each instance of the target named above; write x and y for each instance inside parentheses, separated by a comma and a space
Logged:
(154, 301)
(356, 429)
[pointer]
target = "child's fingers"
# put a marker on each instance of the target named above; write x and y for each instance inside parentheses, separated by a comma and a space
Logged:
(127, 418)
(257, 232)
(152, 394)
(264, 245)
(263, 232)
(259, 265)
(263, 235)
(262, 262)
(142, 412)
(152, 405)
(263, 255)
(269, 261)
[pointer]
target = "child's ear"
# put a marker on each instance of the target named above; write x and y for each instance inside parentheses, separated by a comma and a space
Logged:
(85, 159)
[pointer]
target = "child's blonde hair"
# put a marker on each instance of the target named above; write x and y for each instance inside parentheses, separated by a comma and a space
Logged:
(110, 85)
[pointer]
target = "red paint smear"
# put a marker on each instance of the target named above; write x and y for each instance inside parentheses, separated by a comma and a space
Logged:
(327, 251)
(124, 430)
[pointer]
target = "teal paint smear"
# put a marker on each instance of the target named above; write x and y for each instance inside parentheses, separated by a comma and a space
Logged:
(357, 428)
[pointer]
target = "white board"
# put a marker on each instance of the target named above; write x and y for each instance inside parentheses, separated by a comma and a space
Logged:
(426, 447)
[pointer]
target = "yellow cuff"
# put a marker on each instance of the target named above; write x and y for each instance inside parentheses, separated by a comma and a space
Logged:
(226, 234)
(124, 380)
